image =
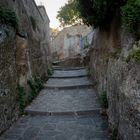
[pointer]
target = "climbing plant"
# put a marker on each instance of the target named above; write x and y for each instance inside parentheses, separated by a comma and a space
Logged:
(134, 55)
(131, 16)
(8, 16)
(103, 99)
(50, 72)
(35, 85)
(21, 98)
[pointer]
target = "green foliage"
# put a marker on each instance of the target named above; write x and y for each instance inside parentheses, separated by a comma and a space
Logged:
(114, 134)
(103, 99)
(50, 72)
(38, 83)
(35, 85)
(68, 14)
(33, 21)
(8, 16)
(86, 46)
(134, 55)
(131, 16)
(98, 13)
(21, 98)
(34, 92)
(86, 43)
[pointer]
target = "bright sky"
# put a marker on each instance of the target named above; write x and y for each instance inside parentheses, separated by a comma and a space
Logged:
(52, 6)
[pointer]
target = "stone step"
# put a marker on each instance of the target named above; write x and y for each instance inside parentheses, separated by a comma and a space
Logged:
(67, 69)
(66, 113)
(64, 110)
(88, 127)
(82, 82)
(55, 62)
(65, 102)
(69, 73)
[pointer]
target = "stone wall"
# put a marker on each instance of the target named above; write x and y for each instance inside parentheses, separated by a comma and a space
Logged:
(121, 80)
(67, 42)
(24, 53)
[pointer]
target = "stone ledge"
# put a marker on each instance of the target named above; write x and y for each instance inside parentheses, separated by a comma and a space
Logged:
(69, 87)
(66, 77)
(68, 113)
(67, 69)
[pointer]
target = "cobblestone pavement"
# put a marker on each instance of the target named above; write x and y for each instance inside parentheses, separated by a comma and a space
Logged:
(62, 114)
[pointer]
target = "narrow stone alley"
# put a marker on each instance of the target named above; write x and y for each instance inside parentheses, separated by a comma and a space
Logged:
(66, 109)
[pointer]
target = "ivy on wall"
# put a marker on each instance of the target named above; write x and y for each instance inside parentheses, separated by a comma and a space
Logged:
(35, 84)
(8, 16)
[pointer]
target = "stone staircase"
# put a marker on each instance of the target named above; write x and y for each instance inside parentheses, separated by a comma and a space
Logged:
(66, 109)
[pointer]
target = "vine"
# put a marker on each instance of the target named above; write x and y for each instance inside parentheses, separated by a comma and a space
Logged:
(134, 55)
(21, 98)
(103, 99)
(8, 16)
(35, 85)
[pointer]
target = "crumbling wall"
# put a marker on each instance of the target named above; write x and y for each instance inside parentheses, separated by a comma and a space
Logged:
(23, 54)
(67, 42)
(119, 78)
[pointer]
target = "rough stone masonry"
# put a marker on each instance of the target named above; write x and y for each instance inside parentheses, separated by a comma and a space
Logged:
(119, 78)
(23, 54)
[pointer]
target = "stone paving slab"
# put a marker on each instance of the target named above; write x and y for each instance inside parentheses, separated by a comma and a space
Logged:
(65, 102)
(69, 74)
(91, 127)
(68, 83)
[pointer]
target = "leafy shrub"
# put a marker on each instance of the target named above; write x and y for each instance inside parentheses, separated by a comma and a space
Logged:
(21, 98)
(103, 99)
(8, 16)
(135, 55)
(38, 83)
(34, 92)
(114, 134)
(86, 46)
(131, 16)
(35, 85)
(50, 72)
